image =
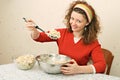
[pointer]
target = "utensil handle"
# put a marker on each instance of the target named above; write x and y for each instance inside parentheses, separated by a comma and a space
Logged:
(24, 19)
(37, 27)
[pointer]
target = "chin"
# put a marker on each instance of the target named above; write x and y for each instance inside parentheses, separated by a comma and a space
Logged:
(74, 30)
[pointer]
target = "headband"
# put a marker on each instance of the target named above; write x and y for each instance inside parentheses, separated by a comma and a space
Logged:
(87, 10)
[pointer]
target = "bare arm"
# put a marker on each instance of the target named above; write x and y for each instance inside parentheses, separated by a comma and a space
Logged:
(74, 68)
(31, 27)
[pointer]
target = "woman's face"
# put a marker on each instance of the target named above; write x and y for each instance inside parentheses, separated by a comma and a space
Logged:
(77, 22)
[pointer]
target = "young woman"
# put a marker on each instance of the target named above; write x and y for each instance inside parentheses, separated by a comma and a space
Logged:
(78, 40)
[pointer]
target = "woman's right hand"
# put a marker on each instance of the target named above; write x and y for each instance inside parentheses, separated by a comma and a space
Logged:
(30, 24)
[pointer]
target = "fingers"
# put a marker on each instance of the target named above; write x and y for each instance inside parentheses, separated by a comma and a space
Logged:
(29, 20)
(30, 25)
(65, 70)
(31, 28)
(72, 61)
(70, 64)
(70, 68)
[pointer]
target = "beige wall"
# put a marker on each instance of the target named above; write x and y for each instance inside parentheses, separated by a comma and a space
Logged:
(15, 38)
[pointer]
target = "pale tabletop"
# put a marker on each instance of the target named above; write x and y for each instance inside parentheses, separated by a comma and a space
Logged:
(11, 72)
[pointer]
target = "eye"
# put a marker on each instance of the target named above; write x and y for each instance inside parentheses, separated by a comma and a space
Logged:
(72, 18)
(78, 21)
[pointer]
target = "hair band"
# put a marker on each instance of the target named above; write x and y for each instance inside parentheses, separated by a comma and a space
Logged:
(87, 10)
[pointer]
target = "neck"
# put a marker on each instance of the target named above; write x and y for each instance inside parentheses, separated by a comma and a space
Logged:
(77, 34)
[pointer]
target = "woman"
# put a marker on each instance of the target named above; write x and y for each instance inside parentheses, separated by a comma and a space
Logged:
(78, 40)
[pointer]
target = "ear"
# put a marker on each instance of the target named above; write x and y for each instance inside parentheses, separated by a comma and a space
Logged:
(86, 24)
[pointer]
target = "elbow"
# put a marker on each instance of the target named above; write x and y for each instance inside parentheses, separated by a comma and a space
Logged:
(100, 68)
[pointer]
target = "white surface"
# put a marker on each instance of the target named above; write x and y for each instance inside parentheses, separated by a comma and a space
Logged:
(11, 72)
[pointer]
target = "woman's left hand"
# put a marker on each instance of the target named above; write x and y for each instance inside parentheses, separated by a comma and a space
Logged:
(70, 68)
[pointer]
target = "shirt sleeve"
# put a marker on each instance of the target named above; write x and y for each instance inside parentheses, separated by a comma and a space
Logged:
(94, 71)
(98, 59)
(43, 38)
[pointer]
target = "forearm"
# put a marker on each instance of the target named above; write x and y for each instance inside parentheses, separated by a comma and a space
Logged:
(85, 69)
(35, 34)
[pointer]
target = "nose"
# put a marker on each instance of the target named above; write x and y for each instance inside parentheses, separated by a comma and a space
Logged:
(74, 22)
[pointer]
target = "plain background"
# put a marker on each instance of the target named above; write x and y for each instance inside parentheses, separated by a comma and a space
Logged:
(15, 39)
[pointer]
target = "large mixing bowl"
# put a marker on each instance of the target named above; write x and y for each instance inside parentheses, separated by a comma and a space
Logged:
(51, 63)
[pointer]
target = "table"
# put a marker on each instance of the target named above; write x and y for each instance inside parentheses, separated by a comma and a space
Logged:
(11, 72)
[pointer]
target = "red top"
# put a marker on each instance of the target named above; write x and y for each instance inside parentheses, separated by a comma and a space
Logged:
(78, 51)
